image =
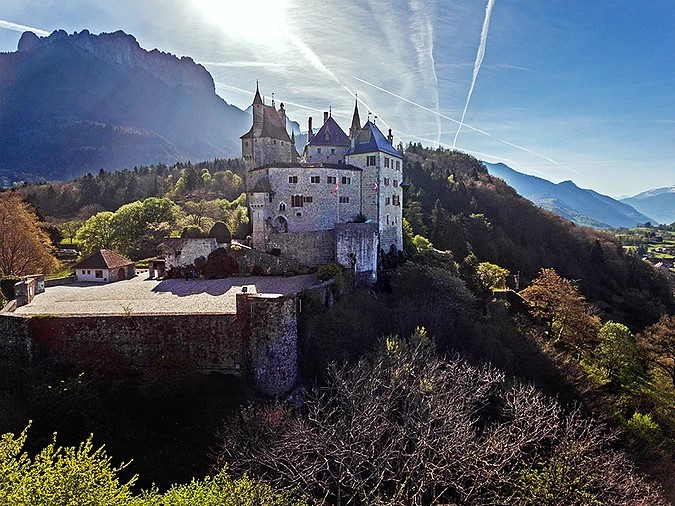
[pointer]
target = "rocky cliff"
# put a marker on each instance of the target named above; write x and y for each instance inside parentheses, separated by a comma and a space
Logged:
(77, 103)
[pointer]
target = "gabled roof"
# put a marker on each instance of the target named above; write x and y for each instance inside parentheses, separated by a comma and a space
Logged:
(262, 186)
(371, 140)
(103, 259)
(330, 134)
(272, 126)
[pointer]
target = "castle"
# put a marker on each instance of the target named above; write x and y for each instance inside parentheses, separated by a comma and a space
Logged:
(340, 201)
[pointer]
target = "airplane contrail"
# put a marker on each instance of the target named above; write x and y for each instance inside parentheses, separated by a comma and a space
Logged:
(241, 64)
(22, 28)
(423, 37)
(477, 64)
(478, 130)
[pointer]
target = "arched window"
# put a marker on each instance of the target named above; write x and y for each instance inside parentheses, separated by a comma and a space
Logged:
(282, 206)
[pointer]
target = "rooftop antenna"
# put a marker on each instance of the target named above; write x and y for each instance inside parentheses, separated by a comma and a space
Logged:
(272, 99)
(369, 113)
(330, 111)
(375, 120)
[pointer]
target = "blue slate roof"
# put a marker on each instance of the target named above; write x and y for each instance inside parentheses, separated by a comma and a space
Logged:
(371, 140)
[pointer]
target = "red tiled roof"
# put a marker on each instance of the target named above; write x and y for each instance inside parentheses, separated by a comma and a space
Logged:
(103, 259)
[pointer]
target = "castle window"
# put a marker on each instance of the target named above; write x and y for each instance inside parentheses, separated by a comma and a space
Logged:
(292, 179)
(386, 162)
(346, 180)
(315, 179)
(344, 200)
(386, 180)
(396, 200)
(88, 272)
(370, 160)
(332, 151)
(387, 201)
(387, 219)
(282, 207)
(98, 274)
(246, 143)
(308, 199)
(398, 165)
(296, 200)
(275, 141)
(395, 183)
(318, 150)
(331, 180)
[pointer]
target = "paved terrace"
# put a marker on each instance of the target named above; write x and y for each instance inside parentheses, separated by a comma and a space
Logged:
(141, 295)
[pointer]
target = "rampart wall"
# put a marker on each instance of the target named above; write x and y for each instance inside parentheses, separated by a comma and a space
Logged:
(258, 343)
(308, 248)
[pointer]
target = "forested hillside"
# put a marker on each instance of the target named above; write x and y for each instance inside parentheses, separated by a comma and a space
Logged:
(454, 202)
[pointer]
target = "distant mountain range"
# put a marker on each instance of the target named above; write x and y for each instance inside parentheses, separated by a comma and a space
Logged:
(583, 207)
(82, 102)
(659, 203)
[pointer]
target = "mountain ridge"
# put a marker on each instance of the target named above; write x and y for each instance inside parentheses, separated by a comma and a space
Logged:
(78, 103)
(581, 206)
(657, 202)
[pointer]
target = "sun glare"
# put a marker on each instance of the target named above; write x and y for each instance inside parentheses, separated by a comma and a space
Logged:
(262, 21)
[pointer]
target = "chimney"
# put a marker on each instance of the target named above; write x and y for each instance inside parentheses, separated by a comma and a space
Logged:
(390, 137)
(310, 134)
(325, 116)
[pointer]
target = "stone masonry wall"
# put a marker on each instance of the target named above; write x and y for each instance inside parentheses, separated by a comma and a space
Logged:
(272, 325)
(182, 252)
(308, 248)
(15, 337)
(200, 342)
(357, 243)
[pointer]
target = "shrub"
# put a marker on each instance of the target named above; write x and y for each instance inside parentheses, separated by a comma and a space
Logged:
(329, 271)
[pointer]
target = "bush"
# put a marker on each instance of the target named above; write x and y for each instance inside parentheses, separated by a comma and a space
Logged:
(192, 232)
(329, 271)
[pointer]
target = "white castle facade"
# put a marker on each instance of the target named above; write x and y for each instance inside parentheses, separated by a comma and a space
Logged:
(340, 201)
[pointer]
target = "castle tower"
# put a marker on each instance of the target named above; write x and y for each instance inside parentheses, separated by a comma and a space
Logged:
(381, 192)
(267, 141)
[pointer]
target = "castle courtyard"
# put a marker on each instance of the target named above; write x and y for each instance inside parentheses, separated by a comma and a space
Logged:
(143, 296)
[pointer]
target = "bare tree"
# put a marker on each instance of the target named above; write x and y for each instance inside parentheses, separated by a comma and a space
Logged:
(405, 427)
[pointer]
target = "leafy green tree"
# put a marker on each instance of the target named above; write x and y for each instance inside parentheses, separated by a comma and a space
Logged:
(491, 276)
(96, 233)
(615, 353)
(59, 475)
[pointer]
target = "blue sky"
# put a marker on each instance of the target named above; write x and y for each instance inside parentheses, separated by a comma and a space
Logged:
(567, 89)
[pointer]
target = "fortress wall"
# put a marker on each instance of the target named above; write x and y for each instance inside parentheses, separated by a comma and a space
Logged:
(357, 243)
(272, 325)
(308, 248)
(198, 342)
(15, 337)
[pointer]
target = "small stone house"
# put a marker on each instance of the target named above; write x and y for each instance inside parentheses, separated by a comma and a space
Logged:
(104, 266)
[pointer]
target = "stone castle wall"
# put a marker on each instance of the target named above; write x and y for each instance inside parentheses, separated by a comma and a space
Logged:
(272, 326)
(308, 248)
(258, 343)
(356, 247)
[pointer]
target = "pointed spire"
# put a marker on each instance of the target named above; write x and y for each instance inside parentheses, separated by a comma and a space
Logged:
(356, 120)
(257, 99)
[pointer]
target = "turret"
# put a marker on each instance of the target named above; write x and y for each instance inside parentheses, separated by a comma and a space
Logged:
(356, 121)
(257, 106)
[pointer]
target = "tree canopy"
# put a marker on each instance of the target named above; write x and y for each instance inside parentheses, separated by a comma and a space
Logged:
(25, 247)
